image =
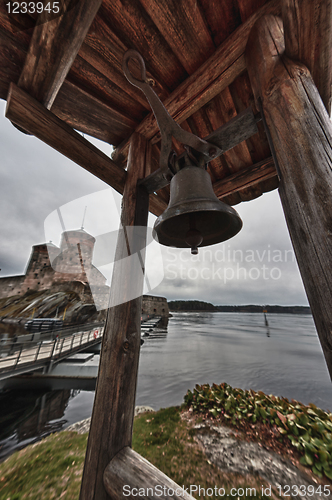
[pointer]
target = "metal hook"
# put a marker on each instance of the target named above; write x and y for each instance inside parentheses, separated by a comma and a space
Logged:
(133, 54)
(167, 126)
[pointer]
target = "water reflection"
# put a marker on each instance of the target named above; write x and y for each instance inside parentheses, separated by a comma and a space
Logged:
(27, 416)
(197, 348)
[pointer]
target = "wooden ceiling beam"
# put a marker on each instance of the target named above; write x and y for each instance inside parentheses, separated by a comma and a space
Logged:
(217, 73)
(246, 178)
(86, 113)
(308, 39)
(53, 48)
(30, 115)
(184, 28)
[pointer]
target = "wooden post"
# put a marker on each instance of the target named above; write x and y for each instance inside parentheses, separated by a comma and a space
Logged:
(128, 473)
(301, 134)
(113, 411)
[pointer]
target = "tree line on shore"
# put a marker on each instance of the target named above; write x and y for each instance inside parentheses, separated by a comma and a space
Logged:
(198, 305)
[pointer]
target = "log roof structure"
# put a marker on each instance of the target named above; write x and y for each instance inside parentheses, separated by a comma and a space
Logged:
(194, 53)
(209, 61)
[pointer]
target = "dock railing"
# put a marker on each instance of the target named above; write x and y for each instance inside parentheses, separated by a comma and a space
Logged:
(19, 358)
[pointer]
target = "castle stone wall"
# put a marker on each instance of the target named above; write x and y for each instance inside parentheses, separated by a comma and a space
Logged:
(155, 306)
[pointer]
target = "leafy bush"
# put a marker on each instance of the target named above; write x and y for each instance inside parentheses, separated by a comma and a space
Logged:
(308, 428)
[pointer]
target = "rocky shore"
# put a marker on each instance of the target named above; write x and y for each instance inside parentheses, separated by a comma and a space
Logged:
(83, 426)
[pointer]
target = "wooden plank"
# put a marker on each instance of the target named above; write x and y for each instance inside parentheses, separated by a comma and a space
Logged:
(184, 29)
(219, 111)
(222, 16)
(308, 39)
(83, 75)
(245, 179)
(293, 109)
(243, 98)
(248, 7)
(134, 26)
(53, 48)
(29, 114)
(226, 137)
(129, 470)
(109, 50)
(114, 404)
(157, 204)
(88, 114)
(217, 73)
(12, 58)
(19, 25)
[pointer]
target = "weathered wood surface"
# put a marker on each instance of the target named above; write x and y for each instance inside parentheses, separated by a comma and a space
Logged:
(219, 71)
(113, 411)
(29, 114)
(53, 48)
(246, 178)
(226, 137)
(183, 26)
(131, 469)
(308, 39)
(222, 16)
(301, 132)
(90, 115)
(243, 98)
(136, 26)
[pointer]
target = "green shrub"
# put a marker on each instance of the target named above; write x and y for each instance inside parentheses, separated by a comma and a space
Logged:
(308, 428)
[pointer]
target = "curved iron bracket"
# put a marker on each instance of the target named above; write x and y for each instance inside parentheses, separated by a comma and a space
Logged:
(168, 127)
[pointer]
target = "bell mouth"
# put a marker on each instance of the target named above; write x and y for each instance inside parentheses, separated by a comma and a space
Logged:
(193, 206)
(213, 226)
(195, 217)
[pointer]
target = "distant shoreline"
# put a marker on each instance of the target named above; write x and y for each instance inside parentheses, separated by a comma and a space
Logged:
(251, 312)
(200, 306)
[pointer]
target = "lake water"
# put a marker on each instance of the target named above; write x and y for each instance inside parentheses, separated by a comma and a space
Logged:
(284, 359)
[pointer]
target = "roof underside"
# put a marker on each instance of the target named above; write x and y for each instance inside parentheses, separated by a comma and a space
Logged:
(194, 52)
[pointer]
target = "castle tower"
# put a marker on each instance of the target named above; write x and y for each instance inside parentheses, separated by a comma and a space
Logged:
(75, 257)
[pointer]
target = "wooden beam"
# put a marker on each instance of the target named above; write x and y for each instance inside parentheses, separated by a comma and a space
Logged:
(245, 178)
(226, 137)
(301, 133)
(219, 71)
(53, 48)
(30, 115)
(114, 404)
(87, 113)
(184, 28)
(308, 39)
(129, 471)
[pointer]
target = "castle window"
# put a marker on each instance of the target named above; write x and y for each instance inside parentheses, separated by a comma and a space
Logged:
(36, 275)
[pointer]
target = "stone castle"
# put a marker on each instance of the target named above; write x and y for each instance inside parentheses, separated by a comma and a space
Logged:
(69, 268)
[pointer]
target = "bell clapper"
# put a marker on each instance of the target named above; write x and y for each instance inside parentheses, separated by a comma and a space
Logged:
(193, 236)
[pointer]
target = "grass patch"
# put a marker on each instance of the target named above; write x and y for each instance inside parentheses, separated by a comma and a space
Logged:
(167, 442)
(52, 468)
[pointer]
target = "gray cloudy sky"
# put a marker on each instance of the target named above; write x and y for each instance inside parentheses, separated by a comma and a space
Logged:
(257, 266)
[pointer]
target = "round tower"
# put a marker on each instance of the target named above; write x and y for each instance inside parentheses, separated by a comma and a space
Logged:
(76, 249)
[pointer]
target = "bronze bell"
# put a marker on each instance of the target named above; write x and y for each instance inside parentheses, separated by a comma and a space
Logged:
(195, 217)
